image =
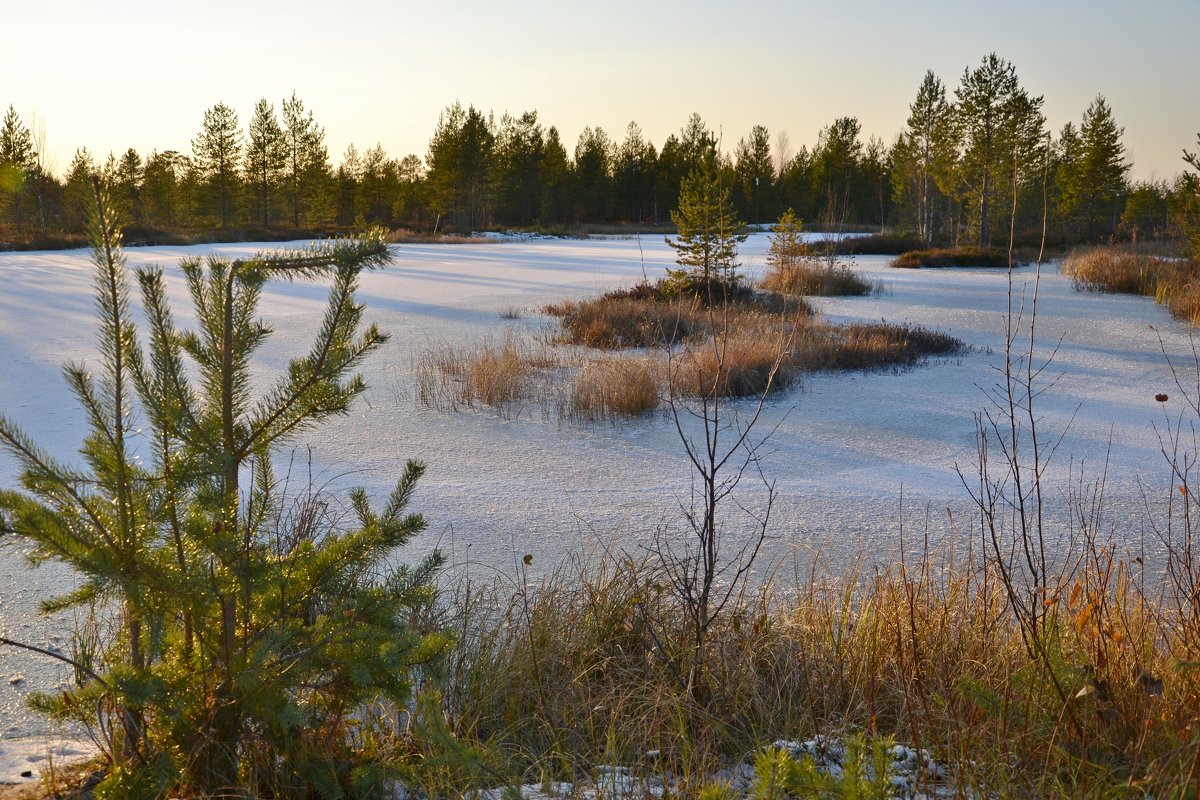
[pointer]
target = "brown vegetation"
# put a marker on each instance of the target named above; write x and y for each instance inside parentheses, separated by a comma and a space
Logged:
(571, 669)
(953, 257)
(738, 349)
(1173, 282)
(814, 277)
(615, 387)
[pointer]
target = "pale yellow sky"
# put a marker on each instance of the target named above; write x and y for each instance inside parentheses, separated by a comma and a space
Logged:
(134, 73)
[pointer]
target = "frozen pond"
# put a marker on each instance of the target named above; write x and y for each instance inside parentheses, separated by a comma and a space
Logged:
(846, 446)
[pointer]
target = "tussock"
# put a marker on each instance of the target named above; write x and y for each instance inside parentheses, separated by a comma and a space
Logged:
(952, 257)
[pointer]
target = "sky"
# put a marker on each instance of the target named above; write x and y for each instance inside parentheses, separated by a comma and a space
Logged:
(140, 73)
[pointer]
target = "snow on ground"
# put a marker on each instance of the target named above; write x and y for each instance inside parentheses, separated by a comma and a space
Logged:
(846, 447)
(26, 760)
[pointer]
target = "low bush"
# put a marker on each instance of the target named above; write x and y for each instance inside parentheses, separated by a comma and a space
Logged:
(655, 315)
(867, 346)
(953, 257)
(617, 322)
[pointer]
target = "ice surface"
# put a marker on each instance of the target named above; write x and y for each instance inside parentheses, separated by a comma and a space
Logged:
(25, 760)
(847, 445)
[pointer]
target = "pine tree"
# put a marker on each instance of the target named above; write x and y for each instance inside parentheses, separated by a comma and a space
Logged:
(1001, 126)
(266, 158)
(377, 188)
(709, 233)
(928, 139)
(517, 178)
(17, 164)
(307, 171)
(1096, 169)
(836, 164)
(1189, 191)
(161, 190)
(77, 194)
(246, 636)
(460, 161)
(128, 185)
(788, 247)
(557, 183)
(593, 175)
(634, 170)
(218, 150)
(756, 173)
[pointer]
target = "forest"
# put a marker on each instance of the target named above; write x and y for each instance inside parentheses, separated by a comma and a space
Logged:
(966, 155)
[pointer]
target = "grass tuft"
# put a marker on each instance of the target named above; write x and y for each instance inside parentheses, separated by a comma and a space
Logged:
(610, 387)
(814, 278)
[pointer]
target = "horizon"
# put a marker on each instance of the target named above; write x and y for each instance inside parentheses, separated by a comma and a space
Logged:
(654, 65)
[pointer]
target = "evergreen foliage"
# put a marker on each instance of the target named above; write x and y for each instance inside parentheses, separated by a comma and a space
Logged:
(1092, 175)
(460, 161)
(925, 152)
(266, 158)
(1001, 127)
(788, 247)
(756, 173)
(1189, 194)
(306, 172)
(17, 164)
(217, 151)
(709, 233)
(966, 169)
(250, 629)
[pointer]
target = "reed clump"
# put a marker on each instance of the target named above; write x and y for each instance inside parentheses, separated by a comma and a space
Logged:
(1172, 282)
(815, 277)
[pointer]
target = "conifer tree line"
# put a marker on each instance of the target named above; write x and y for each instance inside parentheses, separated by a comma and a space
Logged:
(968, 156)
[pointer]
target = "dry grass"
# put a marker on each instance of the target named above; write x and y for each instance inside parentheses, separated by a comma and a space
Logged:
(1174, 283)
(619, 322)
(868, 345)
(408, 236)
(583, 667)
(736, 350)
(814, 277)
(953, 257)
(490, 373)
(742, 364)
(610, 387)
(1106, 269)
(883, 244)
